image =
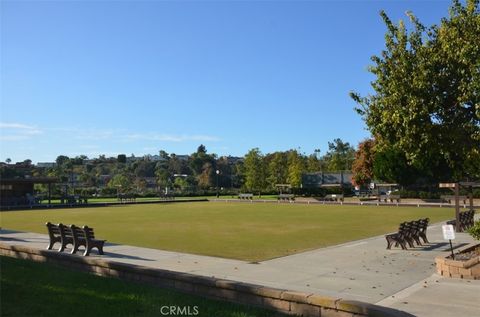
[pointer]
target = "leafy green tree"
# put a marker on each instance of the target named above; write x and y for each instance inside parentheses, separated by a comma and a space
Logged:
(181, 183)
(340, 156)
(226, 172)
(121, 181)
(177, 166)
(202, 165)
(122, 158)
(78, 160)
(313, 163)
(238, 174)
(140, 184)
(296, 168)
(391, 165)
(163, 178)
(277, 169)
(254, 170)
(62, 159)
(144, 168)
(426, 102)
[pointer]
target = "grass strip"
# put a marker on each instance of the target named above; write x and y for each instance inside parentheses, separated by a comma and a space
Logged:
(41, 289)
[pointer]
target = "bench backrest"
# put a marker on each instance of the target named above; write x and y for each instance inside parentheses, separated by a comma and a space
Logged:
(77, 232)
(88, 233)
(65, 231)
(53, 230)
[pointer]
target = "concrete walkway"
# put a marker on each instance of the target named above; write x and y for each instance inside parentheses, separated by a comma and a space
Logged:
(361, 270)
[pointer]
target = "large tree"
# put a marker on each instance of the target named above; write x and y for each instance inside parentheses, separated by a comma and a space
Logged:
(254, 170)
(340, 156)
(296, 168)
(362, 168)
(426, 101)
(277, 169)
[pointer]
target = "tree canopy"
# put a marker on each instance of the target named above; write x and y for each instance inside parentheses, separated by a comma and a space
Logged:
(426, 101)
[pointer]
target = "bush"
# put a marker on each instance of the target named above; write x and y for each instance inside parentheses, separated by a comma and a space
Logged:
(407, 194)
(476, 193)
(474, 231)
(429, 195)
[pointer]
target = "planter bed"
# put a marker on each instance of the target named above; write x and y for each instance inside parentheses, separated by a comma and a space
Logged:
(466, 264)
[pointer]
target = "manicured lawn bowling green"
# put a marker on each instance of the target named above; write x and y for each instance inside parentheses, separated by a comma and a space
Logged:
(247, 231)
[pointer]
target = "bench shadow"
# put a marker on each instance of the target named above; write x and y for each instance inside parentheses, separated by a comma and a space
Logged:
(8, 231)
(5, 232)
(438, 245)
(12, 239)
(67, 250)
(106, 253)
(123, 256)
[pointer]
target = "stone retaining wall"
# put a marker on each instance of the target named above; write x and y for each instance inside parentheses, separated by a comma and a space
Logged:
(284, 301)
(469, 269)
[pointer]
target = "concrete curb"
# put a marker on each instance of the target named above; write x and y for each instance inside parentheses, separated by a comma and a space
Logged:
(280, 300)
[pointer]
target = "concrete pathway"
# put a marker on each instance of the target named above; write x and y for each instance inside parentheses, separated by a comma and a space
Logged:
(361, 270)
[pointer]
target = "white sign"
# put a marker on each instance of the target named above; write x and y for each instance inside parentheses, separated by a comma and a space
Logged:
(448, 232)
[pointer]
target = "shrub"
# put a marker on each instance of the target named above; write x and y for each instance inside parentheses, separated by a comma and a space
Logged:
(474, 231)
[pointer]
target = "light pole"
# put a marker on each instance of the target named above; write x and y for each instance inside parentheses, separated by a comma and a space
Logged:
(217, 172)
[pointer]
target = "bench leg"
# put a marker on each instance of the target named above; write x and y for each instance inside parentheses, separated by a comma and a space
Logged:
(424, 237)
(389, 244)
(390, 241)
(417, 240)
(74, 248)
(63, 245)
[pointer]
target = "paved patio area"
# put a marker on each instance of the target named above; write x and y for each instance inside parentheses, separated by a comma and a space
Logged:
(361, 270)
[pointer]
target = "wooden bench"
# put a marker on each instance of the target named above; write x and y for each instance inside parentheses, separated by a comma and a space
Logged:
(390, 198)
(286, 197)
(466, 219)
(126, 198)
(54, 234)
(247, 196)
(75, 236)
(85, 237)
(59, 233)
(167, 197)
(451, 198)
(333, 197)
(409, 233)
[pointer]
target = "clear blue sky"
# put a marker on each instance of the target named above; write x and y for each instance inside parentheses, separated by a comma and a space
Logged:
(111, 77)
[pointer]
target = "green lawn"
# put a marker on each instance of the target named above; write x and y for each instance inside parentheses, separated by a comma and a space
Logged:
(40, 289)
(244, 231)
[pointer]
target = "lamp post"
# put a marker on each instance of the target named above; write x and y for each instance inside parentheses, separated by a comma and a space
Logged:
(217, 172)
